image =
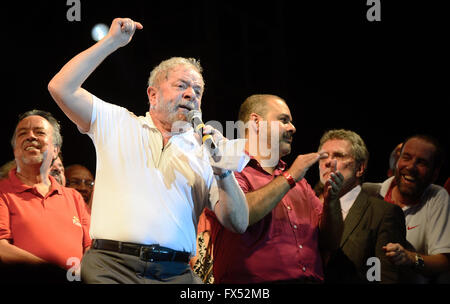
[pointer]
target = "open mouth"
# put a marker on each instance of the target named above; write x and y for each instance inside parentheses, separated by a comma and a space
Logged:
(186, 107)
(287, 139)
(32, 148)
(408, 178)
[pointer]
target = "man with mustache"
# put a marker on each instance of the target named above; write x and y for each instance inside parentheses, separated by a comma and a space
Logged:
(369, 222)
(42, 223)
(153, 179)
(426, 208)
(287, 222)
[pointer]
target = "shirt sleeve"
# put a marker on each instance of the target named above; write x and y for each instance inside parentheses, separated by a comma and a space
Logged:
(315, 201)
(213, 192)
(439, 231)
(392, 229)
(105, 121)
(5, 229)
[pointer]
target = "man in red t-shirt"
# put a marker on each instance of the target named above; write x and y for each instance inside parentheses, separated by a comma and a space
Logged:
(287, 222)
(41, 222)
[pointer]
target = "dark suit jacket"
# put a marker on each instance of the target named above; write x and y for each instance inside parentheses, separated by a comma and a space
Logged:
(370, 224)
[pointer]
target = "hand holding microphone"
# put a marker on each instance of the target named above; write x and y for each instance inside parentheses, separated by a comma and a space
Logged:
(226, 155)
(195, 118)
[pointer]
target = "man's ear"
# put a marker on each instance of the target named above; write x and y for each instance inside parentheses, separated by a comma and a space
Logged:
(254, 121)
(152, 94)
(361, 170)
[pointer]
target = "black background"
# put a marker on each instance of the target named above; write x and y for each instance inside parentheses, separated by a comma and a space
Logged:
(385, 80)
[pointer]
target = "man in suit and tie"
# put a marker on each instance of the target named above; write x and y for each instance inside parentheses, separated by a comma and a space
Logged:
(369, 223)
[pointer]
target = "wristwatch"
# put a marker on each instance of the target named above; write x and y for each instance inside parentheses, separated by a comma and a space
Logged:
(223, 175)
(419, 264)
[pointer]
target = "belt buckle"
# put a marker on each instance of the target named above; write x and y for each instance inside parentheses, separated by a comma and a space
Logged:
(146, 253)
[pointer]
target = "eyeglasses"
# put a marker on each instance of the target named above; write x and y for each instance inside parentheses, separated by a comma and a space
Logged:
(77, 182)
(56, 172)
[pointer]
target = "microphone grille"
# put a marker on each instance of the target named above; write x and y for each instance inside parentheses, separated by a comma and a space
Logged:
(194, 114)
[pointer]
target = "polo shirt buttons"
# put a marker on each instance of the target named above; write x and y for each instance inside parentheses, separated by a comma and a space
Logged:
(300, 246)
(289, 208)
(295, 226)
(304, 268)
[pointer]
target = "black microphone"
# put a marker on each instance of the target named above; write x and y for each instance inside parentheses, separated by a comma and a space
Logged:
(195, 118)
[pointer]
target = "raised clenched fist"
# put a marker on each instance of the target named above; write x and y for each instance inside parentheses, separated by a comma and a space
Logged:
(122, 30)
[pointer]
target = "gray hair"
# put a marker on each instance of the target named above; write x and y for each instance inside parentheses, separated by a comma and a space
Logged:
(165, 66)
(359, 149)
(57, 138)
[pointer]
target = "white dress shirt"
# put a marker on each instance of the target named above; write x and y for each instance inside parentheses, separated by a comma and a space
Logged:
(348, 199)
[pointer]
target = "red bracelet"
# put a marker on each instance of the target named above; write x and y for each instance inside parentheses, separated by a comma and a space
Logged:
(289, 179)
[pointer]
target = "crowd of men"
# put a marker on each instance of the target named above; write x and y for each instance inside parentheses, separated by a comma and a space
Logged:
(163, 210)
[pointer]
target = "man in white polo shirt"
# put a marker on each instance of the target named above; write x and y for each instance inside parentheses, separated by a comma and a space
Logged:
(369, 222)
(426, 207)
(153, 178)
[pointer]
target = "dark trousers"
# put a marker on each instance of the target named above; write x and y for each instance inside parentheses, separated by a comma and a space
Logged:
(108, 267)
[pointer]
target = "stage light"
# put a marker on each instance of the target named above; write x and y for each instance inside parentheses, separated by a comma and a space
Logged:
(99, 31)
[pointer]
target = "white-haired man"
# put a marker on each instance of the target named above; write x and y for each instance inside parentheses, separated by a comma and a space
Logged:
(152, 182)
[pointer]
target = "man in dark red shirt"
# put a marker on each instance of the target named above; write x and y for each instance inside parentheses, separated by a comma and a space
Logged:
(287, 222)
